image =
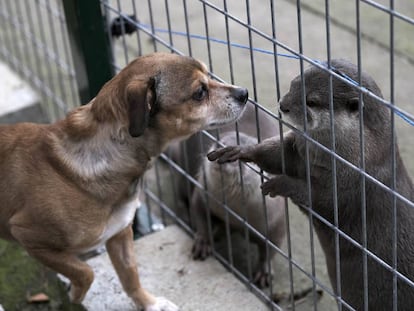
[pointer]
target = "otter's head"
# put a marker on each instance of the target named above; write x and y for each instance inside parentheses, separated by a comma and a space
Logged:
(346, 103)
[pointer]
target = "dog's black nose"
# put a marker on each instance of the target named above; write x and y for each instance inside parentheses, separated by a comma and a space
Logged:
(241, 94)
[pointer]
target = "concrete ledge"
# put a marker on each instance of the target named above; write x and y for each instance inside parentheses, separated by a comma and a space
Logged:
(18, 102)
(166, 269)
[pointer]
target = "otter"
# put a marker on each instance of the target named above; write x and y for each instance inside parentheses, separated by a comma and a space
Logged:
(246, 202)
(352, 193)
(226, 181)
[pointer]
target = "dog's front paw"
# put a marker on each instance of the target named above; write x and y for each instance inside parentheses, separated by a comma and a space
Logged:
(162, 304)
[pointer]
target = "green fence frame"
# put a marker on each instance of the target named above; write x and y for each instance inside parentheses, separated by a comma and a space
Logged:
(89, 41)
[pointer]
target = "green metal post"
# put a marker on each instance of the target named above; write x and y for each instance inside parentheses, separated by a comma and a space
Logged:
(91, 51)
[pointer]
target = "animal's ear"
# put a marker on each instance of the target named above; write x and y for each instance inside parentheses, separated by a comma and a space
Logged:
(353, 104)
(140, 98)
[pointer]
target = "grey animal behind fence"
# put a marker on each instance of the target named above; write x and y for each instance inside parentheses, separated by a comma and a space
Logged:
(231, 188)
(357, 285)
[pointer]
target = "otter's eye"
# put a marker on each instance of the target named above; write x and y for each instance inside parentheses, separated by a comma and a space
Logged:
(312, 100)
(311, 103)
(201, 93)
(353, 104)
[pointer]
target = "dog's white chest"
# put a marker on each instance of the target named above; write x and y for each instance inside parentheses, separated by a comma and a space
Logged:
(119, 220)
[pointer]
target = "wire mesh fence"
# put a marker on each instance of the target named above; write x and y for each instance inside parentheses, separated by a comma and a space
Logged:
(348, 244)
(35, 44)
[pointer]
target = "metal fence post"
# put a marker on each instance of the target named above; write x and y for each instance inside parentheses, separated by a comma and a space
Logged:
(91, 50)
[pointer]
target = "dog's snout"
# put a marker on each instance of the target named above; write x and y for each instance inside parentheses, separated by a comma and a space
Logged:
(240, 94)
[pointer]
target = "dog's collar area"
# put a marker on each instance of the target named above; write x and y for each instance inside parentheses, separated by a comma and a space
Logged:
(133, 186)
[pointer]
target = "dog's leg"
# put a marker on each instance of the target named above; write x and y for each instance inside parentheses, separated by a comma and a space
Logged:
(121, 251)
(78, 272)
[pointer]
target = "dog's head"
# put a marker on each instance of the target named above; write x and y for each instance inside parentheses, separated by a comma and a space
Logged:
(170, 94)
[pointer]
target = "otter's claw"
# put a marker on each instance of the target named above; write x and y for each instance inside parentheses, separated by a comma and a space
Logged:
(201, 248)
(271, 187)
(231, 154)
(262, 279)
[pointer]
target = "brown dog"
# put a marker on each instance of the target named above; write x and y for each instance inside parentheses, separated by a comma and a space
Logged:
(71, 186)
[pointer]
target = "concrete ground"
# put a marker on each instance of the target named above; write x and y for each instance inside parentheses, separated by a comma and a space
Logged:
(18, 101)
(281, 283)
(166, 269)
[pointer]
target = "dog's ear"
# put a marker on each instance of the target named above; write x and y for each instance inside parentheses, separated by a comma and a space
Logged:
(140, 97)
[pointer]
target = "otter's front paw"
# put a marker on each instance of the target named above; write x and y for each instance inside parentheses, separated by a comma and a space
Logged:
(201, 248)
(275, 186)
(262, 278)
(287, 186)
(230, 154)
(162, 304)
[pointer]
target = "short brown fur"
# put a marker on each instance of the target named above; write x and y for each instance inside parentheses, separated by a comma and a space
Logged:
(68, 187)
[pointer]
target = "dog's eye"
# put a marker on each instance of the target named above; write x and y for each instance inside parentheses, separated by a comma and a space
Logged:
(201, 93)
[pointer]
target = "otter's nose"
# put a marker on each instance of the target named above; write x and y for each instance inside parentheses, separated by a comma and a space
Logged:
(240, 94)
(283, 107)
